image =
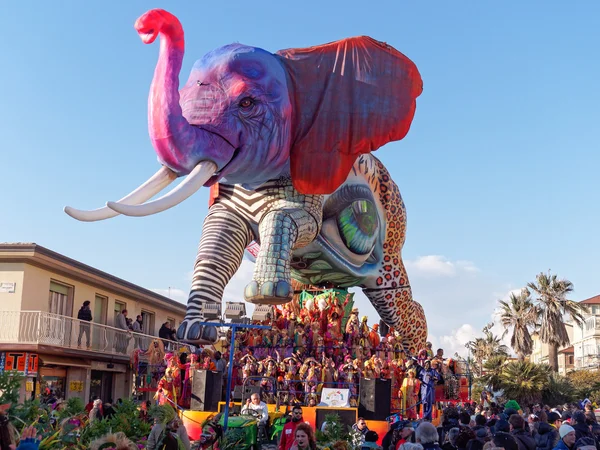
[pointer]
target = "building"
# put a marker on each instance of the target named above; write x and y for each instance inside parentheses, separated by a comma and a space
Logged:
(540, 353)
(41, 292)
(586, 337)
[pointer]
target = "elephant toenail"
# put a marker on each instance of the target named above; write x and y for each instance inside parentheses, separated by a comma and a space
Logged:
(194, 333)
(282, 289)
(181, 330)
(251, 290)
(267, 288)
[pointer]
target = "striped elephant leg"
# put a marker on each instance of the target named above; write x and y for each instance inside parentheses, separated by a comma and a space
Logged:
(225, 235)
(397, 309)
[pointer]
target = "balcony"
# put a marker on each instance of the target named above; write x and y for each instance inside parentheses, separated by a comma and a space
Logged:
(47, 330)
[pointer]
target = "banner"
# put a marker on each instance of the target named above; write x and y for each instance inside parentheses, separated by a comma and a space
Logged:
(335, 397)
(21, 362)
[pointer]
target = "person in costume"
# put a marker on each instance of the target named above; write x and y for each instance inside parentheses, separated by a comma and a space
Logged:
(428, 378)
(409, 394)
(168, 388)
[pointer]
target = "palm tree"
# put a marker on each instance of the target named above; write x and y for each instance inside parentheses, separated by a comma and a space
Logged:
(524, 381)
(483, 348)
(519, 313)
(494, 367)
(552, 304)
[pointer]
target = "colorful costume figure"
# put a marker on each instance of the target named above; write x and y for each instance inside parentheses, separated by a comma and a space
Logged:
(409, 394)
(428, 378)
(168, 388)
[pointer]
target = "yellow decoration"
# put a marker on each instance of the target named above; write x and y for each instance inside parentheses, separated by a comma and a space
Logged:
(76, 386)
(29, 386)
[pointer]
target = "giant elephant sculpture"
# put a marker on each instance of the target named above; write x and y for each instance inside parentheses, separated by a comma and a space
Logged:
(283, 140)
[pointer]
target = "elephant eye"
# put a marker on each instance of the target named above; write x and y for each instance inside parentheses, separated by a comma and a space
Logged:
(357, 224)
(246, 103)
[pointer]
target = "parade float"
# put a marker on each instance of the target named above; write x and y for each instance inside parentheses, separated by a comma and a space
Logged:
(284, 140)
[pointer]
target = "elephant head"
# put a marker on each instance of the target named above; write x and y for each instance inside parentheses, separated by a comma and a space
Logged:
(246, 115)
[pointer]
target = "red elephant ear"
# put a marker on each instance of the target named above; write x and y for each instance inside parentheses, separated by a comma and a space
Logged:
(349, 97)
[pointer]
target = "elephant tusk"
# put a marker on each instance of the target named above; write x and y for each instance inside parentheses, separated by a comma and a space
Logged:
(146, 191)
(194, 181)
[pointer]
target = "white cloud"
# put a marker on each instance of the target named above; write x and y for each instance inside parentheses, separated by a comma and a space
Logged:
(437, 265)
(455, 341)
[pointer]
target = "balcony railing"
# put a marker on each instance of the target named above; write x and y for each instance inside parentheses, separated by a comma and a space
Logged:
(37, 327)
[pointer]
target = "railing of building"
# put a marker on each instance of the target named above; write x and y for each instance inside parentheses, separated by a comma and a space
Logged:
(43, 328)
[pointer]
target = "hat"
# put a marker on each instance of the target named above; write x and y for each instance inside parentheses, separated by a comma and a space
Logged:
(553, 417)
(512, 404)
(566, 415)
(564, 430)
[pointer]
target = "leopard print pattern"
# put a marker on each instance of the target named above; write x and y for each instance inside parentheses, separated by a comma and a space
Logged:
(389, 290)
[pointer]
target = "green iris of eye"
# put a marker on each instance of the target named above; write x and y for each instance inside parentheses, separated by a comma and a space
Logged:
(358, 225)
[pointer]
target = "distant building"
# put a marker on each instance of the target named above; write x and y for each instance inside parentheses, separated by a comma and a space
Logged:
(540, 353)
(41, 292)
(586, 337)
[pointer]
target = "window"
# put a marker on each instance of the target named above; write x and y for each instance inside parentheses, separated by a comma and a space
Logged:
(119, 306)
(595, 309)
(60, 299)
(570, 360)
(100, 307)
(148, 322)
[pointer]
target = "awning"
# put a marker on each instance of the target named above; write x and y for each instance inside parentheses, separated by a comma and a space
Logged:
(53, 360)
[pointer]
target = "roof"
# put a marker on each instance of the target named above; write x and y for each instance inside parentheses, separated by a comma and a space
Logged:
(570, 349)
(32, 253)
(591, 301)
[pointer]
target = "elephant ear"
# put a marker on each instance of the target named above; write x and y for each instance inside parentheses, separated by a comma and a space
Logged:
(349, 97)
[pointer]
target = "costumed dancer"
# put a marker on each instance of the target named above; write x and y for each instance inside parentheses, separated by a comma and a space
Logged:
(409, 394)
(428, 378)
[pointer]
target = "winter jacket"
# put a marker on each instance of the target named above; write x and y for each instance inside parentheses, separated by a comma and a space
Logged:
(85, 314)
(547, 437)
(524, 439)
(582, 430)
(562, 446)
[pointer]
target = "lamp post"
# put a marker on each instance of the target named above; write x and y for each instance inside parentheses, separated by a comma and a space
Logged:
(234, 327)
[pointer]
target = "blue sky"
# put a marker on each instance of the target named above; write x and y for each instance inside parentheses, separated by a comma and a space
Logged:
(498, 173)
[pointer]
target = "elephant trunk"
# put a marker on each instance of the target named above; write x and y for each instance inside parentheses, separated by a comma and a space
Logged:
(179, 145)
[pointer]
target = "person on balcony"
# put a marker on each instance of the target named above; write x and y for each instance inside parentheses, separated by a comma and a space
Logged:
(85, 317)
(122, 339)
(137, 328)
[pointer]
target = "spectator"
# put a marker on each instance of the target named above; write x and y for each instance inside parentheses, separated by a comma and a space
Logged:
(427, 435)
(85, 317)
(305, 438)
(450, 443)
(517, 428)
(121, 341)
(405, 430)
(289, 429)
(108, 409)
(505, 440)
(175, 431)
(360, 427)
(371, 438)
(96, 411)
(567, 437)
(580, 426)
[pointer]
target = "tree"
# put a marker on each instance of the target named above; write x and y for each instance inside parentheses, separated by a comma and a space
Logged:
(524, 381)
(584, 382)
(559, 390)
(519, 314)
(485, 347)
(552, 304)
(494, 367)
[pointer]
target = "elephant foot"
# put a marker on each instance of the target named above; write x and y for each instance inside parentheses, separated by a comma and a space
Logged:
(269, 292)
(192, 332)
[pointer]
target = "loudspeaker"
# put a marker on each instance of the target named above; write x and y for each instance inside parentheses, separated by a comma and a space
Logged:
(375, 398)
(347, 416)
(237, 393)
(206, 390)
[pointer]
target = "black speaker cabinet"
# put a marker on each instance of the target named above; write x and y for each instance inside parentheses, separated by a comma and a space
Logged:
(347, 415)
(375, 398)
(206, 390)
